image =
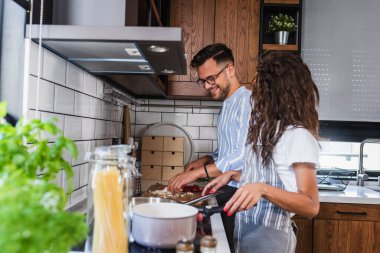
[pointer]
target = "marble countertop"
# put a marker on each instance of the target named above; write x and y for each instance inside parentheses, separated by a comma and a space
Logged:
(352, 194)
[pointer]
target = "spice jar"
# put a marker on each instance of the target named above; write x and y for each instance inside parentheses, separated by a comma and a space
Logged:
(108, 199)
(208, 244)
(184, 246)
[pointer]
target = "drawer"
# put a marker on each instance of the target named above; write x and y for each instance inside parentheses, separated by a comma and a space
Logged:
(173, 144)
(151, 172)
(169, 172)
(151, 158)
(155, 143)
(172, 159)
(339, 211)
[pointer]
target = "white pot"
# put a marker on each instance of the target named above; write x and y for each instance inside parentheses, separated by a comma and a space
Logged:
(162, 225)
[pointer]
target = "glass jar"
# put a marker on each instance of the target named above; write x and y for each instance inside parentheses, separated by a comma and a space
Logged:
(108, 198)
(208, 244)
(184, 246)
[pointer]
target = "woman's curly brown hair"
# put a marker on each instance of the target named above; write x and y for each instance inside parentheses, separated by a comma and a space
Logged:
(284, 95)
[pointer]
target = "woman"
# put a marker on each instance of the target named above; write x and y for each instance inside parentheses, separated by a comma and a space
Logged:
(279, 175)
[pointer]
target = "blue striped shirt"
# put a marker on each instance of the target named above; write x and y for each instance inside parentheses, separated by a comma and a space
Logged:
(232, 127)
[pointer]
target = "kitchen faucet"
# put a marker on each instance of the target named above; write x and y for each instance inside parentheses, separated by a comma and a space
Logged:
(361, 174)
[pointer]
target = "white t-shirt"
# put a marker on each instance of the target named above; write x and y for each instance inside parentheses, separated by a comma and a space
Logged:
(296, 145)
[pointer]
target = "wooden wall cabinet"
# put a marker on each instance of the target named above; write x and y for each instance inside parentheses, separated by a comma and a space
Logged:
(233, 22)
(348, 228)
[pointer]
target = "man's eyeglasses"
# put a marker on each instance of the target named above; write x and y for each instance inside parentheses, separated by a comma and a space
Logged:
(210, 79)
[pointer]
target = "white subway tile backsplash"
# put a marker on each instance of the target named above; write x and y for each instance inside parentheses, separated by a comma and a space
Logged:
(140, 130)
(214, 145)
(33, 63)
(76, 177)
(212, 103)
(178, 118)
(46, 95)
(84, 174)
(161, 108)
(187, 102)
(33, 114)
(193, 131)
(74, 77)
(73, 127)
(89, 84)
(99, 88)
(209, 110)
(148, 117)
(54, 68)
(100, 129)
(82, 105)
(64, 100)
(200, 120)
(204, 146)
(107, 110)
(208, 133)
(88, 129)
(83, 148)
(78, 195)
(59, 123)
(96, 108)
(215, 120)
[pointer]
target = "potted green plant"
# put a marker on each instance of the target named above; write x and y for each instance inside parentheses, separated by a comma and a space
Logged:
(32, 207)
(281, 25)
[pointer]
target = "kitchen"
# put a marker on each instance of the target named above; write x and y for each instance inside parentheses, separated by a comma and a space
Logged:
(92, 117)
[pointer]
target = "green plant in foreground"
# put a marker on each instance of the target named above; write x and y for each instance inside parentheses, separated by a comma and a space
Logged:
(281, 22)
(32, 215)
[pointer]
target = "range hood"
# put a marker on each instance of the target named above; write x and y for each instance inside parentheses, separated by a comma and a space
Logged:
(117, 51)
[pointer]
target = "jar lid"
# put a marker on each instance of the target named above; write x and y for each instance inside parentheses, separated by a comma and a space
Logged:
(208, 241)
(113, 152)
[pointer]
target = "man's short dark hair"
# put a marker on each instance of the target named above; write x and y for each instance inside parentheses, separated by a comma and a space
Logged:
(219, 52)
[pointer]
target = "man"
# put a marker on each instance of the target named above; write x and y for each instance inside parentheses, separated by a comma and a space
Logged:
(217, 74)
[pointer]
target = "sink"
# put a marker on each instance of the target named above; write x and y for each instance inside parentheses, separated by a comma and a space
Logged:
(373, 187)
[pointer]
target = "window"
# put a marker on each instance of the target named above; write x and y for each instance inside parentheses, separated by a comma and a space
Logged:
(345, 155)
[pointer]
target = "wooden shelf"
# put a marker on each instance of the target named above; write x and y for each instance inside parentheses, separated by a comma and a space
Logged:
(280, 47)
(282, 1)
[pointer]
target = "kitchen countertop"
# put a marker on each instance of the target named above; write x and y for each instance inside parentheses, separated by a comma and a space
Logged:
(352, 194)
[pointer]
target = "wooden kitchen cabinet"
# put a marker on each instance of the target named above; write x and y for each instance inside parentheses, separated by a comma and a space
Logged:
(233, 22)
(348, 228)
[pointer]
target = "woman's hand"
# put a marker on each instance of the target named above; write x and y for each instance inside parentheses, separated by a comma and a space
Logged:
(220, 181)
(245, 197)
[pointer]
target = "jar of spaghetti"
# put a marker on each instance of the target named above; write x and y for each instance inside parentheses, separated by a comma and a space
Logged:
(108, 198)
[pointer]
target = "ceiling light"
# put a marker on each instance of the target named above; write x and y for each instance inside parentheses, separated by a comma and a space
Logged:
(168, 71)
(132, 51)
(158, 49)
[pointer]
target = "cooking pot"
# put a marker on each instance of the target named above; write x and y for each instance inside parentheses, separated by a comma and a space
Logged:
(161, 225)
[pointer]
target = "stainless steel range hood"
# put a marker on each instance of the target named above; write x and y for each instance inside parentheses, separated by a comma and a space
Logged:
(131, 57)
(117, 49)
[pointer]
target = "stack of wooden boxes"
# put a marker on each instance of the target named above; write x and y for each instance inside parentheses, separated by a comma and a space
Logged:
(162, 157)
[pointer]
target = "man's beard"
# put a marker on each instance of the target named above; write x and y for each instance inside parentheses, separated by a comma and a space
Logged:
(223, 92)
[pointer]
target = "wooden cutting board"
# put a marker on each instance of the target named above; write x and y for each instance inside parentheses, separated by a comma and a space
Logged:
(156, 191)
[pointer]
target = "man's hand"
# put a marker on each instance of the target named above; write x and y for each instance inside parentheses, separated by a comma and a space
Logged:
(178, 181)
(219, 182)
(194, 165)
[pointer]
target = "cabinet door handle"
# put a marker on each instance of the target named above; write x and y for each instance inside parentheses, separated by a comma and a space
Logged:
(352, 213)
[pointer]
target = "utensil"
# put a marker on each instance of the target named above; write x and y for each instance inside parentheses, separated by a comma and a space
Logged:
(196, 200)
